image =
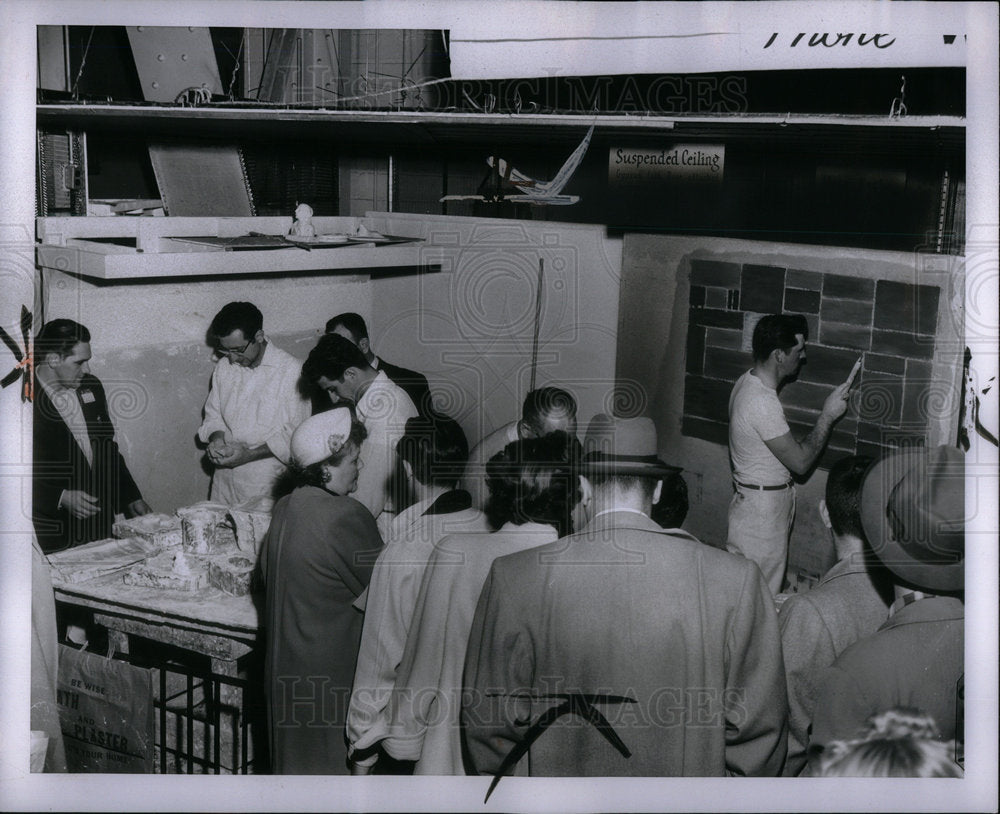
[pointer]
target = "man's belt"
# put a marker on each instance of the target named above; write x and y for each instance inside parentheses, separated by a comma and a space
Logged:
(786, 485)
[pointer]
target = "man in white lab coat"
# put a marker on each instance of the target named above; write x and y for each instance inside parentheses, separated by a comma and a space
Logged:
(253, 406)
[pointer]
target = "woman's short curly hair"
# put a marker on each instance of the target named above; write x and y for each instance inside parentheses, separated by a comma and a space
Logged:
(313, 475)
(535, 480)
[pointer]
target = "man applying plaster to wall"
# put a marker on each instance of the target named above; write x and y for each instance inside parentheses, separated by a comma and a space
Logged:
(253, 406)
(762, 451)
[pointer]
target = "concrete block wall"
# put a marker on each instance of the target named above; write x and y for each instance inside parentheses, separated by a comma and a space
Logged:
(890, 324)
(671, 339)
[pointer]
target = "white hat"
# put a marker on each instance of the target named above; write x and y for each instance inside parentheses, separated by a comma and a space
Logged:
(319, 436)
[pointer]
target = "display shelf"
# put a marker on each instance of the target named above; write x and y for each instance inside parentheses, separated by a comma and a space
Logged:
(125, 248)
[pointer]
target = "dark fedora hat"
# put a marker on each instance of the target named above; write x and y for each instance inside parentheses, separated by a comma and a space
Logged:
(623, 446)
(913, 514)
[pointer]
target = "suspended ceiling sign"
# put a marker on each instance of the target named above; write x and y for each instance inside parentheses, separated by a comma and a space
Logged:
(650, 38)
(701, 162)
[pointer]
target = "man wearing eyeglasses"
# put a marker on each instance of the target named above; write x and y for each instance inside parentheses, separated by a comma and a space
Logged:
(253, 406)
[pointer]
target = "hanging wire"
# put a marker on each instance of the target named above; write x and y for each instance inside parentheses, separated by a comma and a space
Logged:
(898, 107)
(193, 97)
(83, 62)
(263, 67)
(336, 58)
(236, 65)
(471, 101)
(416, 59)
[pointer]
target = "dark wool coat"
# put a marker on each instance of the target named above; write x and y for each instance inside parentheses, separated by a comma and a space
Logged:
(316, 560)
(59, 464)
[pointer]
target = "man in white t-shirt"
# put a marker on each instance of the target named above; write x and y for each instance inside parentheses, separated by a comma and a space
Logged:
(762, 451)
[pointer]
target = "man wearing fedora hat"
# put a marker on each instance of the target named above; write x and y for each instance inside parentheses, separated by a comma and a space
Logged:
(625, 648)
(913, 514)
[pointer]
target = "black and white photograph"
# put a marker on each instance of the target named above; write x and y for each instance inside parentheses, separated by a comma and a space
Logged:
(541, 405)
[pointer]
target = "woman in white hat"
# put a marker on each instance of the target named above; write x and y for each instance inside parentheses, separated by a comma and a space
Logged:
(316, 560)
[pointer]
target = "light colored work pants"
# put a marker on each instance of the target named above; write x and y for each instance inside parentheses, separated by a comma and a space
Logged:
(759, 526)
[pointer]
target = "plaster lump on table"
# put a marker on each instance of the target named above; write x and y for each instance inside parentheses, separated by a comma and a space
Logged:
(200, 524)
(162, 529)
(175, 570)
(232, 574)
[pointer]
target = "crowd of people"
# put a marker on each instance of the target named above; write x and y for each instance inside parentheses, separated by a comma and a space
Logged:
(531, 605)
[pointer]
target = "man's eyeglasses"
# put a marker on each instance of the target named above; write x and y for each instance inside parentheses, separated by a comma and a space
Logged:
(221, 351)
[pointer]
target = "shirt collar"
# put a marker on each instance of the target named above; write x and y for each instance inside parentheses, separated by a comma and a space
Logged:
(855, 563)
(50, 388)
(614, 510)
(265, 358)
(906, 599)
(64, 398)
(528, 528)
(379, 378)
(932, 608)
(450, 502)
(411, 513)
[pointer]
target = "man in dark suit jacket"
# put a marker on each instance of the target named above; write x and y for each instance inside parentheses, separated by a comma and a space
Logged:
(352, 326)
(79, 478)
(649, 653)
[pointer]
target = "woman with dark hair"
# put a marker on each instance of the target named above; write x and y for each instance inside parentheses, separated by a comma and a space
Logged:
(316, 560)
(536, 495)
(535, 480)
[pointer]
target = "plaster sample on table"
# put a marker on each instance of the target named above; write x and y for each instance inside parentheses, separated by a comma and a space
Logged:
(162, 529)
(100, 558)
(171, 570)
(303, 225)
(200, 524)
(251, 521)
(233, 575)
